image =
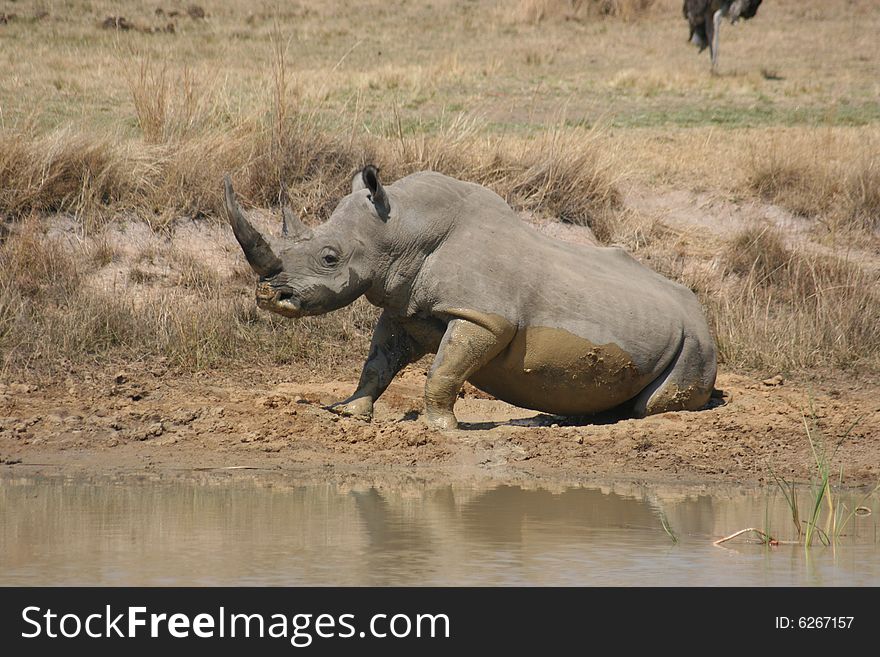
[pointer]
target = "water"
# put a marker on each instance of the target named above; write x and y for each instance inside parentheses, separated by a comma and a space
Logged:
(258, 530)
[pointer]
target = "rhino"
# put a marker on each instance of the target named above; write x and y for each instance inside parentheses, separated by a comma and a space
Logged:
(563, 328)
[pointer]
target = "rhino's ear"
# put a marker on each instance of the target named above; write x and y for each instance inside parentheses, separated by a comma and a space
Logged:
(370, 180)
(291, 226)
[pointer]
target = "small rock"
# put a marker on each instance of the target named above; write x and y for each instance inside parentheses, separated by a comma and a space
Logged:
(274, 401)
(183, 416)
(24, 425)
(152, 431)
(120, 378)
(773, 381)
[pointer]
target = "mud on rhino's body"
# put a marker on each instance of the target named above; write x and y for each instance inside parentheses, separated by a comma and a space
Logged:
(564, 328)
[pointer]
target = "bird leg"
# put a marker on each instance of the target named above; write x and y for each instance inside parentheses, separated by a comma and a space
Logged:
(713, 47)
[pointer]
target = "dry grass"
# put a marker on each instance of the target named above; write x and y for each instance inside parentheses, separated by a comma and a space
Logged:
(102, 252)
(789, 309)
(80, 173)
(174, 171)
(169, 106)
(35, 270)
(820, 178)
(757, 251)
(536, 11)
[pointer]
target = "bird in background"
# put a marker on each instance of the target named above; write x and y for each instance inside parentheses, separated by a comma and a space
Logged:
(704, 18)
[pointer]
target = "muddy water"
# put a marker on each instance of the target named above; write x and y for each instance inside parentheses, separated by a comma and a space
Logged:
(259, 530)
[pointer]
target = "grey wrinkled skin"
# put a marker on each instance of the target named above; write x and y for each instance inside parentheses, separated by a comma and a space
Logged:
(563, 328)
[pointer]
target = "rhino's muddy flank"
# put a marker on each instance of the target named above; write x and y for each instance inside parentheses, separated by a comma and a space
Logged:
(552, 370)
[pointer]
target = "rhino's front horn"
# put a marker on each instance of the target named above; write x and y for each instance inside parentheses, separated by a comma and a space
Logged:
(256, 249)
(291, 226)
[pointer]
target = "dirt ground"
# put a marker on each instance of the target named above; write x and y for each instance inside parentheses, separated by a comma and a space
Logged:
(148, 418)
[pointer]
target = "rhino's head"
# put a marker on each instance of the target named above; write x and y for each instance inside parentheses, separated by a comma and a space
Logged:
(305, 272)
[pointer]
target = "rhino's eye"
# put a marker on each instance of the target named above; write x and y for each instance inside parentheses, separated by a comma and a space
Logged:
(329, 258)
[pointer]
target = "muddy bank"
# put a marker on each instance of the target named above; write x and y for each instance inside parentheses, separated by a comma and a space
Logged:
(146, 418)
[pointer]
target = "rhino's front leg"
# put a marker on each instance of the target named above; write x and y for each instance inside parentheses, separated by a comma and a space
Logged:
(465, 348)
(391, 349)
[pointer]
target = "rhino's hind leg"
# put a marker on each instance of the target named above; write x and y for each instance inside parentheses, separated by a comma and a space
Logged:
(466, 347)
(391, 349)
(685, 385)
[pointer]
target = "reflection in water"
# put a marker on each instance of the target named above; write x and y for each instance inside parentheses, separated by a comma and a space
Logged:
(215, 531)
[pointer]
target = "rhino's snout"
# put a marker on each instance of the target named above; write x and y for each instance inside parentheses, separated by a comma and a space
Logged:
(278, 301)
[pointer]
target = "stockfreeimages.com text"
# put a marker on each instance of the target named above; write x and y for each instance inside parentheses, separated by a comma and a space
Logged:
(301, 629)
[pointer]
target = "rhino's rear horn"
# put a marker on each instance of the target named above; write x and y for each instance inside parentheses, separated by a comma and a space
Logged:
(370, 176)
(256, 249)
(291, 226)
